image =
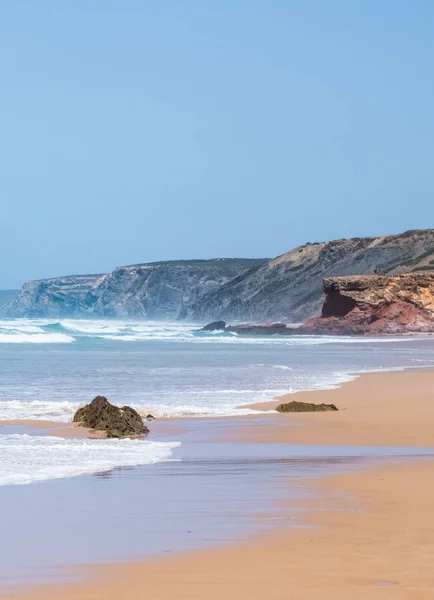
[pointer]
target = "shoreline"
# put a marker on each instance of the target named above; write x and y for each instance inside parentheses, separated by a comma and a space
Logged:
(394, 408)
(367, 404)
(354, 548)
(357, 549)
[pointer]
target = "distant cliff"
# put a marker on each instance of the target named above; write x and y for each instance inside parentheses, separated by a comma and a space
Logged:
(361, 305)
(162, 290)
(57, 297)
(289, 287)
(6, 297)
(370, 304)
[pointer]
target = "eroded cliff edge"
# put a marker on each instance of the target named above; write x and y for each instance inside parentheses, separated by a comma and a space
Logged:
(363, 305)
(376, 305)
(289, 288)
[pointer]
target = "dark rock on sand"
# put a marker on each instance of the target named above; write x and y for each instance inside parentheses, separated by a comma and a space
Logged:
(215, 326)
(116, 422)
(150, 417)
(295, 406)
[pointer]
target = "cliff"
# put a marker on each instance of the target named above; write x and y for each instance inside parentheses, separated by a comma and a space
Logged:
(361, 305)
(57, 297)
(163, 290)
(6, 297)
(289, 287)
(376, 305)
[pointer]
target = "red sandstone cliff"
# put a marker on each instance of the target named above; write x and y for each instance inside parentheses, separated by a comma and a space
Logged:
(374, 304)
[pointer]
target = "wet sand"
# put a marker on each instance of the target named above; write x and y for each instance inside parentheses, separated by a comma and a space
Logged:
(211, 494)
(380, 546)
(55, 428)
(375, 541)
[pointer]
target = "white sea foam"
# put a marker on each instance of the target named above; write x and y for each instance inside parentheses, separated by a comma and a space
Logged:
(27, 331)
(283, 367)
(52, 384)
(93, 327)
(45, 331)
(12, 410)
(167, 369)
(422, 360)
(25, 458)
(223, 402)
(35, 338)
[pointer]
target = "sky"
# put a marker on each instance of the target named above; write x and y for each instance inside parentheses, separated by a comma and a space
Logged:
(139, 131)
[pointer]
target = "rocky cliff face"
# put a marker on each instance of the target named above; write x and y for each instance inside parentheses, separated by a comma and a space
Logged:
(376, 305)
(6, 297)
(289, 287)
(58, 297)
(361, 305)
(164, 290)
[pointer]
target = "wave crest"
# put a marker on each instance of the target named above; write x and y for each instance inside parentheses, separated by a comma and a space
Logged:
(35, 338)
(66, 331)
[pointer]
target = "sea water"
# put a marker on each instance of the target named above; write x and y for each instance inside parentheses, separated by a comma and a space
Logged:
(49, 368)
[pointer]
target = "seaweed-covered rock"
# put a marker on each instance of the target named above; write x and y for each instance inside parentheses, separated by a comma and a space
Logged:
(295, 406)
(116, 422)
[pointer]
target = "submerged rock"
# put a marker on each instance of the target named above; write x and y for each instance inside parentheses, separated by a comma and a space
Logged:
(274, 328)
(116, 422)
(215, 326)
(295, 406)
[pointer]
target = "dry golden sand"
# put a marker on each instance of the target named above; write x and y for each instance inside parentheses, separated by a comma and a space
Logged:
(378, 544)
(376, 409)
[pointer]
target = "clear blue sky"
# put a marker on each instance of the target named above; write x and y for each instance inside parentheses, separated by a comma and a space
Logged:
(139, 130)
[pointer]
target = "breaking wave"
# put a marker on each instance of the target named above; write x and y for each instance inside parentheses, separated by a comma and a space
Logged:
(35, 338)
(67, 331)
(14, 410)
(26, 458)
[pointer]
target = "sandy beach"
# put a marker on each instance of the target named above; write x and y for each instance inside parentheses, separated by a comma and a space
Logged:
(375, 541)
(209, 210)
(384, 550)
(63, 430)
(375, 409)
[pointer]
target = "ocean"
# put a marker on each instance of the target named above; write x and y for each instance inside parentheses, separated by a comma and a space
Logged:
(49, 368)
